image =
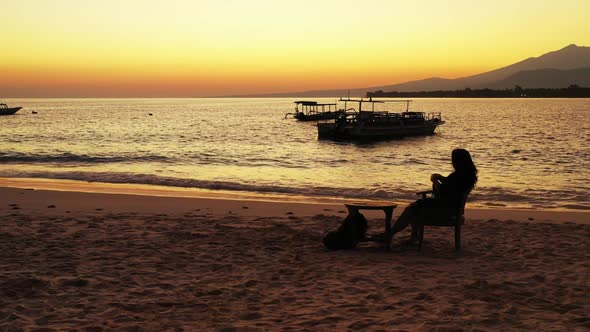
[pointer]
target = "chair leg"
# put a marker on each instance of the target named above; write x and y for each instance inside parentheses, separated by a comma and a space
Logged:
(388, 233)
(457, 237)
(420, 236)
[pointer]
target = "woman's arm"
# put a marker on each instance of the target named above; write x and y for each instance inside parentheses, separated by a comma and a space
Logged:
(437, 180)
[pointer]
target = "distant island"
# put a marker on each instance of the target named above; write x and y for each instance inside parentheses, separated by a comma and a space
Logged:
(573, 91)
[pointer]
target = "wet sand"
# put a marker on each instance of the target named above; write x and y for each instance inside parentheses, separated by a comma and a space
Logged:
(96, 261)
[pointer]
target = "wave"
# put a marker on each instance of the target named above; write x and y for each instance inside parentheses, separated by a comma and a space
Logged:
(201, 159)
(16, 157)
(151, 179)
(482, 196)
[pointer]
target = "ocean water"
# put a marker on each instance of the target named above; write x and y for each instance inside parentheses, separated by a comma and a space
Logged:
(531, 153)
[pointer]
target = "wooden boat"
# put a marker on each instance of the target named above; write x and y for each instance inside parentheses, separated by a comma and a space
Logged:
(314, 111)
(360, 124)
(5, 110)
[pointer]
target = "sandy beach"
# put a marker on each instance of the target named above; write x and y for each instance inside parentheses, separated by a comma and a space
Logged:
(115, 261)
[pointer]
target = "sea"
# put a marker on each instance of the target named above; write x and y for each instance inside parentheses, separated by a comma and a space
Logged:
(530, 153)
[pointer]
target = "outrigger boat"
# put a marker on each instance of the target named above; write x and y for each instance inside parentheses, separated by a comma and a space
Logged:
(5, 110)
(360, 124)
(313, 111)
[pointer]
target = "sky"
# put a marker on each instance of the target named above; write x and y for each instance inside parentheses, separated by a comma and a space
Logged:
(182, 48)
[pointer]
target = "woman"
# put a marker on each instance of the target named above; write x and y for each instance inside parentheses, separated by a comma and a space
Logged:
(448, 195)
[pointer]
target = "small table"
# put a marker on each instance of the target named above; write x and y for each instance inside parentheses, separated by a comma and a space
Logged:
(387, 207)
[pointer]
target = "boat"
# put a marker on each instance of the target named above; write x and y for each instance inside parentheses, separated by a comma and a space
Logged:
(313, 111)
(5, 110)
(361, 124)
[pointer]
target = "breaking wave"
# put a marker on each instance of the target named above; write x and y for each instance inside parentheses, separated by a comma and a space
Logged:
(16, 157)
(482, 196)
(150, 179)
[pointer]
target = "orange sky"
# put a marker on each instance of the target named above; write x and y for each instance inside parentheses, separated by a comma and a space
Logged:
(182, 48)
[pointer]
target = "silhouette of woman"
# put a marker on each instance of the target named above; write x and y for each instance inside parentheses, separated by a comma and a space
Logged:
(448, 195)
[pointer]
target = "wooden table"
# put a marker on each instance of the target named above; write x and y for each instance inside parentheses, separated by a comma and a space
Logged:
(386, 207)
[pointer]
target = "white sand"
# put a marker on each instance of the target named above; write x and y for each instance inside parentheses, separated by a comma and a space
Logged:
(95, 262)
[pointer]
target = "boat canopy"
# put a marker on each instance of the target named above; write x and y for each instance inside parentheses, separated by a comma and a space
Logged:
(306, 103)
(312, 103)
(370, 100)
(373, 102)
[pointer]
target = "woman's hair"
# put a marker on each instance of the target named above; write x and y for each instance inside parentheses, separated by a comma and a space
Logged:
(464, 165)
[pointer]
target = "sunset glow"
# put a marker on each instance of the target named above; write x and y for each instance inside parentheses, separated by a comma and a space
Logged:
(67, 48)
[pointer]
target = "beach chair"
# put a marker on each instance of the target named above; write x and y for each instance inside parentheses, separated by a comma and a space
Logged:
(455, 221)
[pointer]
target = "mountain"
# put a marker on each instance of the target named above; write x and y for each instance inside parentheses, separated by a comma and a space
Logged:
(570, 57)
(557, 69)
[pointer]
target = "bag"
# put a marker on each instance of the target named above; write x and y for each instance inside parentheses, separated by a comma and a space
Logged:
(348, 234)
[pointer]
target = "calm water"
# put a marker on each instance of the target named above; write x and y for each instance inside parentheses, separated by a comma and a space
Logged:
(530, 153)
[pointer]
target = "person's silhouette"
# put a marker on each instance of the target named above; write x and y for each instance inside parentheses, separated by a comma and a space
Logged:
(448, 195)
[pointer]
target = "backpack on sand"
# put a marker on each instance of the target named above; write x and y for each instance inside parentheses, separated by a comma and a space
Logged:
(348, 234)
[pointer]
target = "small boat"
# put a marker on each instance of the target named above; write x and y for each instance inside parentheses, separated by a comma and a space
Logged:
(314, 111)
(5, 110)
(360, 124)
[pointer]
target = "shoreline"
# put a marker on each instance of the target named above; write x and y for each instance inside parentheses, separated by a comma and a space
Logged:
(70, 195)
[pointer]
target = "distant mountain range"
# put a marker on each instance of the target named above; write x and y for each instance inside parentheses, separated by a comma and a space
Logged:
(557, 69)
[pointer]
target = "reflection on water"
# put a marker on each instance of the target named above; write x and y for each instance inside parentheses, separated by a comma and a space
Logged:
(530, 152)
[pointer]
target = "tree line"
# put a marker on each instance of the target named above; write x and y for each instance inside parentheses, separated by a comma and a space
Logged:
(573, 91)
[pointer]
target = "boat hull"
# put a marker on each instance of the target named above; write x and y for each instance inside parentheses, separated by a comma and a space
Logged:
(9, 111)
(363, 131)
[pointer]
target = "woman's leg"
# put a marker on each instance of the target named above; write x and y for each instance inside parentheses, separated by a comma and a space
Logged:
(406, 218)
